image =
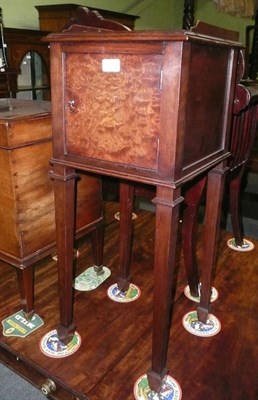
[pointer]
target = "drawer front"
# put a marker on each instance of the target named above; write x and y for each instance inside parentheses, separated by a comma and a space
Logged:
(28, 122)
(27, 212)
(38, 378)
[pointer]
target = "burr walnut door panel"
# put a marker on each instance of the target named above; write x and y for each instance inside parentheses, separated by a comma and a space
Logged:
(106, 94)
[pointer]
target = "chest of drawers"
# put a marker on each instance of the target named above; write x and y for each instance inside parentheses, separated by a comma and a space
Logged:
(27, 210)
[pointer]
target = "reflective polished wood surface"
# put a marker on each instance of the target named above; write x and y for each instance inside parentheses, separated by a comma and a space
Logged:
(106, 366)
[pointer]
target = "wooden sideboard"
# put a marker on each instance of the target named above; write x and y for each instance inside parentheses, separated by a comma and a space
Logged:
(21, 42)
(54, 17)
(27, 211)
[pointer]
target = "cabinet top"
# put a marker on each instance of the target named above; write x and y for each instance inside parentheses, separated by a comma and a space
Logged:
(89, 35)
(24, 122)
(15, 109)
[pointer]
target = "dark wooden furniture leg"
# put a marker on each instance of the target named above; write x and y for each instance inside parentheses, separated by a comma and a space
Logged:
(192, 200)
(167, 217)
(215, 187)
(97, 239)
(243, 137)
(126, 234)
(235, 182)
(25, 278)
(64, 190)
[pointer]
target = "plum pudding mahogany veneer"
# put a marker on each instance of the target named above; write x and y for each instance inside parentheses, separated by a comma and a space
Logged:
(142, 107)
(27, 212)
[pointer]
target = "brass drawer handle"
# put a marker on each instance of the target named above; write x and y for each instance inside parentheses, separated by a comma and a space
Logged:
(48, 387)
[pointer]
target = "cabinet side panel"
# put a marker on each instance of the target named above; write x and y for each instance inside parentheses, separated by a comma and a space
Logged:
(8, 234)
(207, 107)
(34, 196)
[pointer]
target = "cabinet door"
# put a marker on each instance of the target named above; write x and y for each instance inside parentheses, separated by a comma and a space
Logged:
(107, 94)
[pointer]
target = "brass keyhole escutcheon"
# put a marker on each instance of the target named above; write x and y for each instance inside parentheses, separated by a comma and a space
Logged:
(48, 387)
(71, 105)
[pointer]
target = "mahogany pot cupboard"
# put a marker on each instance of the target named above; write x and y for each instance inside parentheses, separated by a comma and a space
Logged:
(142, 107)
(170, 129)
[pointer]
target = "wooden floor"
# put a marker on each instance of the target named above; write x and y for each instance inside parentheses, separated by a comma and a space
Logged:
(116, 338)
